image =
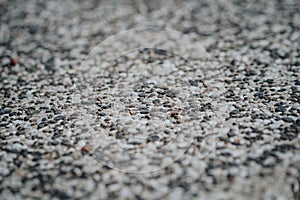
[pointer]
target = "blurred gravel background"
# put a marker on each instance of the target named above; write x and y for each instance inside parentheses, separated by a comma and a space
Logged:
(257, 44)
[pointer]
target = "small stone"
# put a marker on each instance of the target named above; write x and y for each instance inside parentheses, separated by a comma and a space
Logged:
(42, 125)
(171, 93)
(250, 73)
(231, 133)
(288, 119)
(174, 113)
(81, 143)
(4, 111)
(85, 150)
(234, 112)
(57, 118)
(145, 111)
(236, 141)
(280, 109)
(142, 94)
(269, 81)
(153, 137)
(14, 61)
(29, 142)
(17, 147)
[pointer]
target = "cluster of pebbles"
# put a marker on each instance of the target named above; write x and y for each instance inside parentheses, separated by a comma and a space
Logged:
(153, 124)
(142, 112)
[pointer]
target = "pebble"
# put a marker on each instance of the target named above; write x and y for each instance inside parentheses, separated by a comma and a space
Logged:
(18, 147)
(280, 109)
(288, 119)
(234, 112)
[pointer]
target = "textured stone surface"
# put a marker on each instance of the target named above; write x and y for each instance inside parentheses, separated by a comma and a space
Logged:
(48, 150)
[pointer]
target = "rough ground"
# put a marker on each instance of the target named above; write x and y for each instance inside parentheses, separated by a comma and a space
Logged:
(54, 146)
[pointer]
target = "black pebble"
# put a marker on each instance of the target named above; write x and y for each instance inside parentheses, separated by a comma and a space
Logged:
(269, 81)
(152, 137)
(234, 112)
(250, 73)
(31, 111)
(288, 119)
(231, 133)
(57, 118)
(56, 135)
(107, 106)
(145, 111)
(42, 124)
(4, 111)
(280, 109)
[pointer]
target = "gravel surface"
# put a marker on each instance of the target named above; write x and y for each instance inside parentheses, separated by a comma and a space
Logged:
(152, 124)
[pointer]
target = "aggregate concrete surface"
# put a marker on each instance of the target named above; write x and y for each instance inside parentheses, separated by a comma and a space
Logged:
(153, 125)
